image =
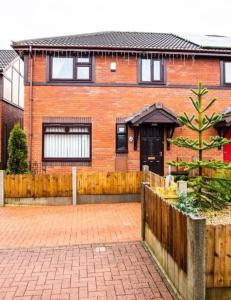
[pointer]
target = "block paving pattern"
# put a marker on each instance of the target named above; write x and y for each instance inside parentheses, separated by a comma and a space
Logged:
(68, 225)
(117, 271)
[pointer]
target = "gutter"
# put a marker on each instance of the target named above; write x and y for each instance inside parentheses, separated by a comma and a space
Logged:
(192, 52)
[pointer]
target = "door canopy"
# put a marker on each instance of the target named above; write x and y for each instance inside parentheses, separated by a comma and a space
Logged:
(154, 114)
(226, 118)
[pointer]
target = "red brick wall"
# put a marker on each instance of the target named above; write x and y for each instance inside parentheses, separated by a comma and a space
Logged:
(105, 103)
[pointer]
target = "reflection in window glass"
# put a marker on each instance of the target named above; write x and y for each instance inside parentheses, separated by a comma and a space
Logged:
(21, 67)
(8, 73)
(146, 70)
(228, 72)
(21, 92)
(83, 60)
(15, 87)
(156, 70)
(16, 65)
(62, 68)
(83, 73)
(6, 89)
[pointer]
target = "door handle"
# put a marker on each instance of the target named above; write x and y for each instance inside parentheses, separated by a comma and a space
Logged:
(161, 153)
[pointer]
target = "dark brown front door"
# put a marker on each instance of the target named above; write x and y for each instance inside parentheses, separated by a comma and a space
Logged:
(151, 148)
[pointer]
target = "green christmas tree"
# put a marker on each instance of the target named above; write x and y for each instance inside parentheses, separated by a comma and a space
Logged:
(207, 192)
(17, 148)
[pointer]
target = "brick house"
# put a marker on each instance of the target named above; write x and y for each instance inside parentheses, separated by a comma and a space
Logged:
(109, 100)
(11, 97)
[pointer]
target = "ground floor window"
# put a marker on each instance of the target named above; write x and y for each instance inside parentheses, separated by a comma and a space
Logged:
(66, 142)
(121, 138)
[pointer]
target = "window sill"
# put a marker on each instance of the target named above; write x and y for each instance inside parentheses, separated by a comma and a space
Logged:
(152, 83)
(69, 81)
(66, 160)
(66, 163)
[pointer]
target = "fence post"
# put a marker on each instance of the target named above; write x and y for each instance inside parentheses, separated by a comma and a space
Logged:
(143, 208)
(74, 190)
(196, 231)
(1, 188)
(145, 169)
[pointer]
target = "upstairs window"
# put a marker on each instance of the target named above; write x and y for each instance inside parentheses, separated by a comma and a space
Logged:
(66, 142)
(227, 72)
(152, 70)
(121, 138)
(62, 68)
(71, 68)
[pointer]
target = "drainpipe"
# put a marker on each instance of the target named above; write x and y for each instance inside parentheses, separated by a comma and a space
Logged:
(31, 105)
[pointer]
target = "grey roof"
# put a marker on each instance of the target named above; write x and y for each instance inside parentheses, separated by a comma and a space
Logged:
(6, 57)
(114, 40)
(156, 112)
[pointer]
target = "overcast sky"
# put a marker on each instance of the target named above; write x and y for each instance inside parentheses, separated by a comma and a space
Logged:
(24, 19)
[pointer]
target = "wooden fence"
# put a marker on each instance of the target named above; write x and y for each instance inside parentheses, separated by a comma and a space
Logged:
(168, 225)
(153, 179)
(218, 256)
(60, 185)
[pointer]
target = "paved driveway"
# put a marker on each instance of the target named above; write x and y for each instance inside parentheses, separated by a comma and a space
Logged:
(119, 271)
(68, 225)
(70, 253)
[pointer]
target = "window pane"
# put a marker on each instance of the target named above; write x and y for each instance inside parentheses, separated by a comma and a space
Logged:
(146, 70)
(121, 128)
(22, 67)
(228, 72)
(16, 65)
(6, 89)
(156, 70)
(55, 129)
(78, 129)
(66, 146)
(21, 92)
(83, 73)
(62, 68)
(83, 60)
(121, 142)
(8, 73)
(15, 87)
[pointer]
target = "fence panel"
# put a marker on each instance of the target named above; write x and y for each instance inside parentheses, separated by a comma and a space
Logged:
(33, 186)
(96, 183)
(154, 179)
(168, 225)
(60, 185)
(218, 256)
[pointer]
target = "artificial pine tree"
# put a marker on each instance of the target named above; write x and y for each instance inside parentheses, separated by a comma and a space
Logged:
(17, 148)
(207, 192)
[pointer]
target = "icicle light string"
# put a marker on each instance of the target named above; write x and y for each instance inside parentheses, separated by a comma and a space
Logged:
(115, 54)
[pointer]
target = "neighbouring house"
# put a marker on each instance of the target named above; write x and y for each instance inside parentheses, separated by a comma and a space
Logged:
(11, 97)
(109, 100)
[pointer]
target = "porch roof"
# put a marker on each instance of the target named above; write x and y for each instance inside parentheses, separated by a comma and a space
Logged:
(226, 118)
(156, 113)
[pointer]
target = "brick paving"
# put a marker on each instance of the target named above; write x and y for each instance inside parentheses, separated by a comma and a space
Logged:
(68, 225)
(120, 271)
(76, 252)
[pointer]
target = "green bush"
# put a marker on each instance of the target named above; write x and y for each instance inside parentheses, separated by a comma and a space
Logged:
(187, 204)
(17, 148)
